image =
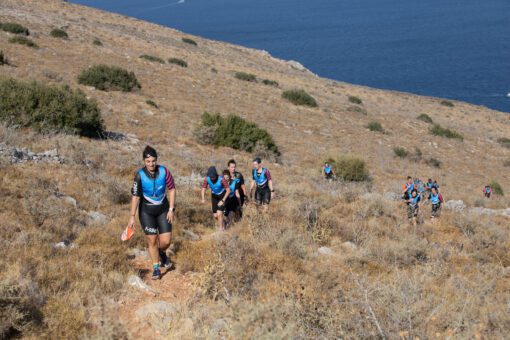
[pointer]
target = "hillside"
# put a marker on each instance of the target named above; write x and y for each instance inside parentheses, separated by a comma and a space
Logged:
(265, 277)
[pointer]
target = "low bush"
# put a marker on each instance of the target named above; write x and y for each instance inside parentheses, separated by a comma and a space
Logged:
(23, 41)
(496, 188)
(3, 59)
(355, 100)
(152, 58)
(235, 132)
(189, 41)
(299, 97)
(351, 169)
(109, 78)
(15, 28)
(151, 103)
(437, 130)
(505, 142)
(246, 76)
(97, 42)
(48, 108)
(447, 103)
(436, 163)
(506, 163)
(375, 126)
(59, 33)
(425, 118)
(400, 152)
(270, 82)
(178, 61)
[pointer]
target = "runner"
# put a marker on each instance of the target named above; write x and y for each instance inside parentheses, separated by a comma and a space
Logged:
(233, 203)
(487, 191)
(436, 200)
(327, 171)
(220, 191)
(262, 179)
(155, 212)
(241, 185)
(407, 188)
(413, 206)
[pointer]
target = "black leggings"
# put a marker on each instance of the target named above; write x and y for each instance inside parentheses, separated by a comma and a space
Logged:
(153, 218)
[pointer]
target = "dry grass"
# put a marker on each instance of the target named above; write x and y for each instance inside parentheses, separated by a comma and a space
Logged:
(264, 278)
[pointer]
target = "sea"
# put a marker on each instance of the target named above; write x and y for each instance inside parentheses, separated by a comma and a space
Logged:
(456, 49)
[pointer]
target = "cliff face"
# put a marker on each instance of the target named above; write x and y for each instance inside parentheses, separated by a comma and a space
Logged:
(97, 175)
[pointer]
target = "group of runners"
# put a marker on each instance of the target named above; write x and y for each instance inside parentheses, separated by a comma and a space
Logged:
(153, 195)
(414, 192)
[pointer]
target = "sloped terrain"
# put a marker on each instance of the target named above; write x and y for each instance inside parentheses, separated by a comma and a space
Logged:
(329, 260)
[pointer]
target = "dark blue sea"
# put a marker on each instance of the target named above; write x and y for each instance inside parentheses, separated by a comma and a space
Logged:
(458, 49)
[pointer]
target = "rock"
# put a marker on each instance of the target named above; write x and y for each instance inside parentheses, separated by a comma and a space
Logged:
(483, 211)
(18, 154)
(136, 282)
(51, 153)
(456, 205)
(63, 245)
(70, 200)
(190, 235)
(349, 246)
(97, 217)
(147, 112)
(325, 251)
(297, 66)
(158, 314)
(31, 154)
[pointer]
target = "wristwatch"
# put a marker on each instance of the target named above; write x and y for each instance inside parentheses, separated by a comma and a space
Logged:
(172, 209)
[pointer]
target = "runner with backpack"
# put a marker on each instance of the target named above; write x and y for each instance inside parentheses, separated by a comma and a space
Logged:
(233, 202)
(413, 206)
(487, 191)
(407, 188)
(263, 183)
(327, 171)
(437, 200)
(220, 191)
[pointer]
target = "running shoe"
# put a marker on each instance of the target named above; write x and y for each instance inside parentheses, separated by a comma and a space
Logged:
(164, 260)
(156, 274)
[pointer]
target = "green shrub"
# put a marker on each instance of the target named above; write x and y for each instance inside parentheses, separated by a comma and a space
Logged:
(400, 152)
(425, 118)
(151, 103)
(3, 59)
(189, 41)
(58, 33)
(23, 41)
(506, 163)
(214, 70)
(375, 126)
(15, 28)
(152, 58)
(355, 100)
(447, 103)
(437, 130)
(97, 42)
(351, 169)
(436, 163)
(299, 97)
(109, 78)
(234, 132)
(496, 187)
(246, 76)
(505, 142)
(178, 61)
(48, 108)
(269, 82)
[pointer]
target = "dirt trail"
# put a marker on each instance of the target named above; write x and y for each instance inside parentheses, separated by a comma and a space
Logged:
(174, 288)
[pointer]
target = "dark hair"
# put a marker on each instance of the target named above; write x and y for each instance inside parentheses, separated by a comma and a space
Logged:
(257, 159)
(231, 162)
(416, 191)
(149, 151)
(226, 172)
(409, 177)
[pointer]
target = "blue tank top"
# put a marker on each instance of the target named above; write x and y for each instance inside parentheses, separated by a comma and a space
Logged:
(409, 187)
(261, 178)
(434, 199)
(415, 200)
(233, 184)
(216, 188)
(327, 170)
(154, 189)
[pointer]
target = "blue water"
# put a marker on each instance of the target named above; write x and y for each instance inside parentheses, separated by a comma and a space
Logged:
(458, 49)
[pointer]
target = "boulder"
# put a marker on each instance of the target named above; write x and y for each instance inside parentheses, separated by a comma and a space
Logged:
(158, 314)
(325, 251)
(97, 217)
(136, 282)
(455, 205)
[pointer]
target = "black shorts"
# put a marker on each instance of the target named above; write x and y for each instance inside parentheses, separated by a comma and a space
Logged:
(436, 208)
(263, 195)
(153, 218)
(215, 200)
(412, 211)
(329, 176)
(232, 205)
